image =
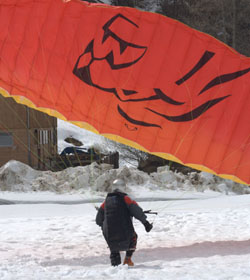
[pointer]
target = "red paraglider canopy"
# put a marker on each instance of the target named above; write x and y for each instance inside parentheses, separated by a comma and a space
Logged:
(136, 77)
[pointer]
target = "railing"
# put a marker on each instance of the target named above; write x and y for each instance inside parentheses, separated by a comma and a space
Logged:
(60, 162)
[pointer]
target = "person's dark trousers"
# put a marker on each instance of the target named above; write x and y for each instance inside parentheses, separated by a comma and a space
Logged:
(115, 258)
(132, 245)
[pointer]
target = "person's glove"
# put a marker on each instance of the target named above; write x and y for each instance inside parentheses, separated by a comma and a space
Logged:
(148, 226)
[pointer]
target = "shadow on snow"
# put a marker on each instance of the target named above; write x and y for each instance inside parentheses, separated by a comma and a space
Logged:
(198, 250)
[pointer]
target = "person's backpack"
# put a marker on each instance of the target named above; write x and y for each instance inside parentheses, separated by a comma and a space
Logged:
(118, 228)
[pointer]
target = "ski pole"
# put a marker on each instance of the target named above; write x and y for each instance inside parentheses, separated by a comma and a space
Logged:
(150, 212)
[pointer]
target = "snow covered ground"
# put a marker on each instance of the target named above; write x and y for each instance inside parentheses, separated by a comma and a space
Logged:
(48, 230)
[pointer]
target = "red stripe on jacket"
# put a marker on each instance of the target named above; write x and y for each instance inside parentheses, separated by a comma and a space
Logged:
(129, 201)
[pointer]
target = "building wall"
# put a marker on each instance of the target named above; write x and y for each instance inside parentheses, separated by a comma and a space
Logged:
(26, 135)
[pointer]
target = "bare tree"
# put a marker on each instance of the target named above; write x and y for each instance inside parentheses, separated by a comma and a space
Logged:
(226, 20)
(129, 3)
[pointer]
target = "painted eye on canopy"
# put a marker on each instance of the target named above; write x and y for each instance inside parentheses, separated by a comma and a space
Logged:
(115, 23)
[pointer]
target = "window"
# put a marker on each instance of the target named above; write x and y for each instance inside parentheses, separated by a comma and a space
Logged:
(6, 139)
(46, 137)
(43, 137)
(40, 137)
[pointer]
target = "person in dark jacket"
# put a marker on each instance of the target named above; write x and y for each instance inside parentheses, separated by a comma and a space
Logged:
(115, 218)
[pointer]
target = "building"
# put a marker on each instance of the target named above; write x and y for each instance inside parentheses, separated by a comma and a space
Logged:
(26, 135)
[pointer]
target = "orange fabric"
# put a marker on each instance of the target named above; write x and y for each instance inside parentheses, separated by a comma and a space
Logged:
(149, 79)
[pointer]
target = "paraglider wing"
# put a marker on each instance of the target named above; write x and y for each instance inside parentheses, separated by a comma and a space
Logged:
(139, 78)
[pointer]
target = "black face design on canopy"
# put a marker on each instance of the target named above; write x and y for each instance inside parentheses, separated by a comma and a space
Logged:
(84, 73)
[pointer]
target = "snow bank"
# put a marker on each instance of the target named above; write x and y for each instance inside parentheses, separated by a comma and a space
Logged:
(18, 177)
(197, 181)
